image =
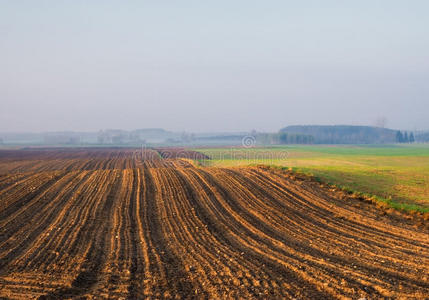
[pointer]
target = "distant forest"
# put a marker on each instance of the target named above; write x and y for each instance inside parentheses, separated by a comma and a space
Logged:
(422, 137)
(337, 134)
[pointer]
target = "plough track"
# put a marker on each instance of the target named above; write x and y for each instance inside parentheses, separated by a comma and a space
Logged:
(129, 224)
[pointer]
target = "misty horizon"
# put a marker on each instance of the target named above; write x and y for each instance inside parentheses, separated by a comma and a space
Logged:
(218, 67)
(214, 132)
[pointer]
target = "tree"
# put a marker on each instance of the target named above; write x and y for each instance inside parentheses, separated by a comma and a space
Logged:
(381, 122)
(399, 137)
(406, 140)
(412, 140)
(283, 138)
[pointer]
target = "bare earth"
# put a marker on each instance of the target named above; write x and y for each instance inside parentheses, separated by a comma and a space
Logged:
(125, 223)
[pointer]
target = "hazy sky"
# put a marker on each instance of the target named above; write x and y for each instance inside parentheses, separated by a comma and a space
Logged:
(212, 65)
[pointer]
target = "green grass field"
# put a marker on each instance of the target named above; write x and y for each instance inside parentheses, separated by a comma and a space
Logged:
(398, 174)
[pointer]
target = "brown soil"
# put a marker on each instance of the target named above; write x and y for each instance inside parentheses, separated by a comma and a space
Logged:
(127, 224)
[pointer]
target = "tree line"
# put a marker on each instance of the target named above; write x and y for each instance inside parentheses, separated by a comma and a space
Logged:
(342, 134)
(404, 137)
(283, 138)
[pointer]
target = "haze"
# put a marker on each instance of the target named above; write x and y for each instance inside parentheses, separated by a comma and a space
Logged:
(212, 65)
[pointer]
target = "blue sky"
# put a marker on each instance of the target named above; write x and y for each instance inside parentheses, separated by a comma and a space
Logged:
(212, 65)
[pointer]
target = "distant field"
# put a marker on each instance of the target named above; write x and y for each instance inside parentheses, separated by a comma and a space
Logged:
(400, 173)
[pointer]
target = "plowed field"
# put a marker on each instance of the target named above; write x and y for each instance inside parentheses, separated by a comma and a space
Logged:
(117, 223)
